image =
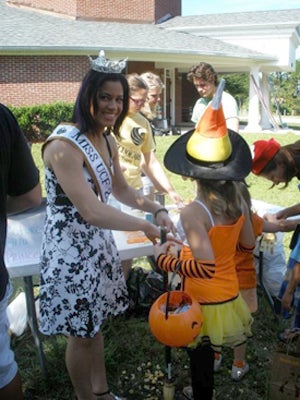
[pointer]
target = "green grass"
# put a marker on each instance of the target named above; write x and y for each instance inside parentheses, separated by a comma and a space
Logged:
(259, 188)
(135, 361)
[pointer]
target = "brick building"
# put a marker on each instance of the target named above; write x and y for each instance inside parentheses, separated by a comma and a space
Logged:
(142, 11)
(44, 46)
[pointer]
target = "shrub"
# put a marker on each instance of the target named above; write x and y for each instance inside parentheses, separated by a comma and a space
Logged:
(37, 122)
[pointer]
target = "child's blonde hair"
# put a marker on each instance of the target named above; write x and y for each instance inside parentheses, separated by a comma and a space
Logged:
(152, 80)
(222, 197)
(136, 83)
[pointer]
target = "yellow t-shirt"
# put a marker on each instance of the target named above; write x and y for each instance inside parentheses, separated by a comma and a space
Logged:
(135, 139)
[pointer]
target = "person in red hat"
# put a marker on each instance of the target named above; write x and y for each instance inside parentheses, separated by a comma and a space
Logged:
(274, 162)
(280, 164)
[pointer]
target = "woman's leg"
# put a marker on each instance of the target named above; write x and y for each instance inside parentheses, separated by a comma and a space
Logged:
(86, 366)
(202, 371)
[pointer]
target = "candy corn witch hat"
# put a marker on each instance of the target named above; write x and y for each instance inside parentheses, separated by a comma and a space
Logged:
(210, 151)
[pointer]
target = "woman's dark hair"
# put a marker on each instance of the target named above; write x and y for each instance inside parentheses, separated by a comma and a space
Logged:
(285, 157)
(87, 100)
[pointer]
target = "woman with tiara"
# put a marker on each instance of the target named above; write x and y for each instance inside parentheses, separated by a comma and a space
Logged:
(82, 283)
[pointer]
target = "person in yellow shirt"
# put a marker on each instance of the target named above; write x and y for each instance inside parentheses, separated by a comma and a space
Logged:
(136, 145)
(136, 149)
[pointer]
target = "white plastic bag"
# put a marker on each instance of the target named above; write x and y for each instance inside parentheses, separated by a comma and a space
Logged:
(17, 314)
(274, 258)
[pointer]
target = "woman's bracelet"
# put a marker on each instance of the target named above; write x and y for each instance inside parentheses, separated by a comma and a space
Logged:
(160, 210)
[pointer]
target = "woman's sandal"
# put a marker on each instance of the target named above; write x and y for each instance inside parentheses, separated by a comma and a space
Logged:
(113, 396)
(187, 393)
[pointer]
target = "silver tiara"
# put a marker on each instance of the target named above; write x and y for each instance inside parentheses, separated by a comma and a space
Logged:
(102, 64)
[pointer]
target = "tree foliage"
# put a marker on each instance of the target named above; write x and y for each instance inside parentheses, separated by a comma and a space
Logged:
(284, 90)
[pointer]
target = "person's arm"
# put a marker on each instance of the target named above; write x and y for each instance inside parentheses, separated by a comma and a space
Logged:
(23, 184)
(67, 164)
(247, 236)
(25, 201)
(152, 168)
(202, 262)
(129, 196)
(288, 212)
(281, 219)
(294, 281)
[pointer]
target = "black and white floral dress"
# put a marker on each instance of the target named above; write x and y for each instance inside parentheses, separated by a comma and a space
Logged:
(82, 282)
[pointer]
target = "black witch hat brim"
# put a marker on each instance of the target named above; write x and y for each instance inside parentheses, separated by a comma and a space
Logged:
(235, 168)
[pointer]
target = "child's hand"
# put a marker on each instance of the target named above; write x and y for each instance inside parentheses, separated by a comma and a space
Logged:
(287, 300)
(270, 218)
(165, 248)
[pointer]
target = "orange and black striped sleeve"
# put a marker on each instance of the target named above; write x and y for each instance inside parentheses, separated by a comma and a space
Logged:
(191, 267)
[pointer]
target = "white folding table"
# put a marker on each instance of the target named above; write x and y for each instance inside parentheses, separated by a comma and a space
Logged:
(23, 252)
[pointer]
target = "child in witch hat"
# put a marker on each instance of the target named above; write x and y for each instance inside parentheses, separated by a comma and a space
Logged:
(212, 227)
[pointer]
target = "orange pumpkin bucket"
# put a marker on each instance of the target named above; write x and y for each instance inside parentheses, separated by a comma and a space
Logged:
(175, 318)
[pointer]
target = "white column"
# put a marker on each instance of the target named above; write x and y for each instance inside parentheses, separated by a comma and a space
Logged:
(254, 106)
(265, 118)
(172, 96)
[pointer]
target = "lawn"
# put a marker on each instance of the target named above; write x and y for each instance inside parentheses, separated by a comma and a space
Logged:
(135, 361)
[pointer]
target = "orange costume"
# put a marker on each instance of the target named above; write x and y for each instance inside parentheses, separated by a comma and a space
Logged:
(245, 267)
(213, 153)
(246, 271)
(227, 319)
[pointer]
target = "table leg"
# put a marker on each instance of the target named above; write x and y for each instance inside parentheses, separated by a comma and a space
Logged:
(263, 286)
(33, 324)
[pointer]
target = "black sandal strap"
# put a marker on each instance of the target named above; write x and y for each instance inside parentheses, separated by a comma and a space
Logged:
(101, 394)
(107, 392)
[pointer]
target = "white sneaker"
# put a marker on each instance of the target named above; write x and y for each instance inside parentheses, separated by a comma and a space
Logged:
(237, 374)
(218, 363)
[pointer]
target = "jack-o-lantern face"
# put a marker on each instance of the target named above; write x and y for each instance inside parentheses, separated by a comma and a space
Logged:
(175, 319)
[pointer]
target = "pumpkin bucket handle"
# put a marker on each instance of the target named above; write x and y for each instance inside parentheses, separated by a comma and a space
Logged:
(169, 288)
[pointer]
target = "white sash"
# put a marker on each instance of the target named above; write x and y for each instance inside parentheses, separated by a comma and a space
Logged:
(94, 162)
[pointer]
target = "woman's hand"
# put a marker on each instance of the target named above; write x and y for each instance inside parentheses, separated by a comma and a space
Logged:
(176, 198)
(152, 232)
(163, 219)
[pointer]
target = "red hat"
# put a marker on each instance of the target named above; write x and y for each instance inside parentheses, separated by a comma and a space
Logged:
(263, 152)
